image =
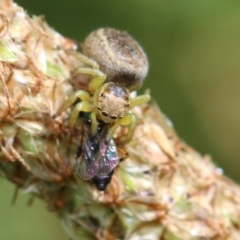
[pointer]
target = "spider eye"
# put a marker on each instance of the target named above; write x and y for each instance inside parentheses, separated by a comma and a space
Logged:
(103, 95)
(113, 117)
(105, 114)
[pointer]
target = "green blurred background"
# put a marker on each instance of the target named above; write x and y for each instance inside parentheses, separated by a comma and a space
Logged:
(194, 52)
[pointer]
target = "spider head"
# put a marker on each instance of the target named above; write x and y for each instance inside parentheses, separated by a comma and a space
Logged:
(112, 101)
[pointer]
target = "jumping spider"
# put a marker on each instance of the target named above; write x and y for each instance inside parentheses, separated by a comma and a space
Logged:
(118, 65)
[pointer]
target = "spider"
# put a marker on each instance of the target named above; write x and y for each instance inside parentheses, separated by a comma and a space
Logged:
(118, 65)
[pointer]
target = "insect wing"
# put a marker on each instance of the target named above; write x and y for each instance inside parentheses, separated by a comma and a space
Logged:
(107, 158)
(85, 160)
(97, 155)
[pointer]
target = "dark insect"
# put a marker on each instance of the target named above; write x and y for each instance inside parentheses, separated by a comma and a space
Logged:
(102, 182)
(97, 155)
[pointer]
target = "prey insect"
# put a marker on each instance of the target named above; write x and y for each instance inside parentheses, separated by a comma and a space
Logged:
(97, 155)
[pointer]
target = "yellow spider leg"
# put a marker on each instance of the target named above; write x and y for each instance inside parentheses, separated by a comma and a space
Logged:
(87, 60)
(81, 94)
(80, 107)
(135, 87)
(98, 77)
(94, 122)
(129, 120)
(113, 128)
(139, 100)
(126, 120)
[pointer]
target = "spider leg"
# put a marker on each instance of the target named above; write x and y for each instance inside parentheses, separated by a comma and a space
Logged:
(139, 100)
(80, 107)
(98, 77)
(80, 94)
